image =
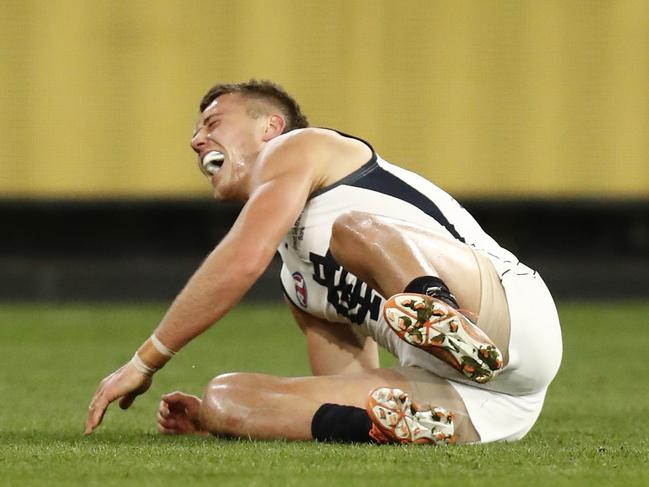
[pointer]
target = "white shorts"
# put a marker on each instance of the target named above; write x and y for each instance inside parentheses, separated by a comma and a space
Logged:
(506, 407)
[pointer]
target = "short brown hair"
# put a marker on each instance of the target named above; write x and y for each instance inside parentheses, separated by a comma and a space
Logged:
(262, 90)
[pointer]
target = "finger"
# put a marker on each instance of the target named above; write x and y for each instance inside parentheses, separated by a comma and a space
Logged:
(163, 409)
(162, 429)
(161, 417)
(166, 424)
(127, 400)
(166, 431)
(95, 414)
(181, 402)
(98, 406)
(174, 396)
(170, 424)
(176, 403)
(93, 411)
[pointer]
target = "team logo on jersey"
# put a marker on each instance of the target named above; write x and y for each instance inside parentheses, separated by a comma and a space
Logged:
(300, 288)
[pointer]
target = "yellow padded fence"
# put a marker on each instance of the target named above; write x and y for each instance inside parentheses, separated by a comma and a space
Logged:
(488, 98)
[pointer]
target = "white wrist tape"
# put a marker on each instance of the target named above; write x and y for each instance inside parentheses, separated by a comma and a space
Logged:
(139, 365)
(161, 347)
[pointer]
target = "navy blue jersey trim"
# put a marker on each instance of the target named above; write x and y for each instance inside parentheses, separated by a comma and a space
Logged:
(353, 176)
(382, 181)
(373, 177)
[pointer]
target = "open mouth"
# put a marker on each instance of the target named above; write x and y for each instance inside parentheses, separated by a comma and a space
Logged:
(212, 161)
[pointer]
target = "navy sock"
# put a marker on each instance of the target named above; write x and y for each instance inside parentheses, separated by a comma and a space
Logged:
(432, 286)
(343, 424)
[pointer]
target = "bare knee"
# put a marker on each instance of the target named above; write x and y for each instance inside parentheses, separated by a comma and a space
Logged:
(237, 379)
(351, 224)
(353, 235)
(223, 409)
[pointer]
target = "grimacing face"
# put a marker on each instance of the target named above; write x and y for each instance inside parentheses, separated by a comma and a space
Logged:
(227, 141)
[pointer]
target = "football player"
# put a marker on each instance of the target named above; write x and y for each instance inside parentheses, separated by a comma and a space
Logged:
(373, 255)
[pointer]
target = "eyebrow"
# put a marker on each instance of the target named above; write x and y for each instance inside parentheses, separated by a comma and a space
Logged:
(206, 121)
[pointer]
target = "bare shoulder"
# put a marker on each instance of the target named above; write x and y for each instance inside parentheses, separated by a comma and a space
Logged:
(321, 140)
(323, 155)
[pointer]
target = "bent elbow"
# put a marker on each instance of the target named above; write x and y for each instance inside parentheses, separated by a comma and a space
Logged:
(251, 265)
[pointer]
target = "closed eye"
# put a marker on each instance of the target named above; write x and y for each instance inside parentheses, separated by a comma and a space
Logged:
(212, 121)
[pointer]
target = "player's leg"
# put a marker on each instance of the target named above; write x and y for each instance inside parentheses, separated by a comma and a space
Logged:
(261, 406)
(390, 254)
(335, 348)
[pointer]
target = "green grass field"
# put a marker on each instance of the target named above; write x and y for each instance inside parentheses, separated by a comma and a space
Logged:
(593, 430)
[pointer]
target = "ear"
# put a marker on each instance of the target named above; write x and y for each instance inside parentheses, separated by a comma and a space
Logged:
(274, 127)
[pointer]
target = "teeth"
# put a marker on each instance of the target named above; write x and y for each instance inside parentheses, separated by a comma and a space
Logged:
(212, 161)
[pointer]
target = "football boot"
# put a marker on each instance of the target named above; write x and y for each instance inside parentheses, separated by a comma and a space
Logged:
(395, 420)
(447, 333)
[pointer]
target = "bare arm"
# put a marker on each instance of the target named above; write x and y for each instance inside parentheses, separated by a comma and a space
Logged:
(335, 348)
(279, 191)
(235, 264)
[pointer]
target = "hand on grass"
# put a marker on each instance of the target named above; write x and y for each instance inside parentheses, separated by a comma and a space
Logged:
(126, 383)
(179, 414)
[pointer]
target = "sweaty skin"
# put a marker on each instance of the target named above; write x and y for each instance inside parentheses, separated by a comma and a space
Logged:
(274, 174)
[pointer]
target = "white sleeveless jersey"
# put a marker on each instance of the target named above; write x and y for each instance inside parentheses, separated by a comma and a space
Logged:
(317, 284)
